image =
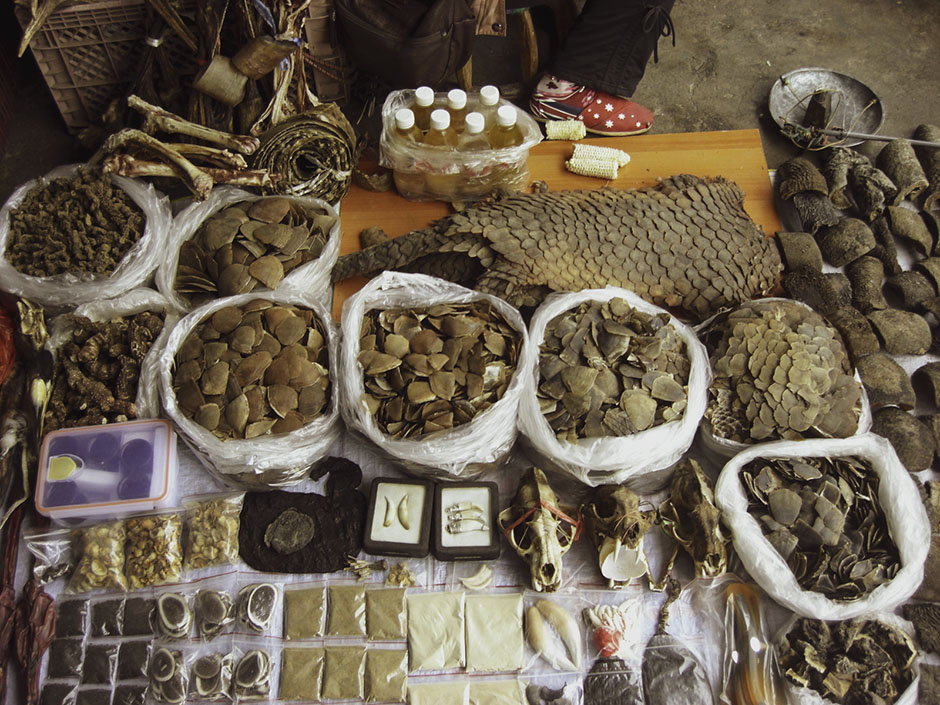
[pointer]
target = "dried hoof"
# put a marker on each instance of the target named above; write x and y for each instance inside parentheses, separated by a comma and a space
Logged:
(886, 382)
(815, 210)
(800, 250)
(901, 332)
(911, 438)
(821, 292)
(846, 241)
(798, 175)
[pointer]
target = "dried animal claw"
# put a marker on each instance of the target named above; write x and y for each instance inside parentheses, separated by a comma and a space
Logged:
(479, 580)
(404, 513)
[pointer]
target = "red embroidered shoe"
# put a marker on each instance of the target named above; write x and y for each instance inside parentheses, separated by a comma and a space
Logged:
(601, 113)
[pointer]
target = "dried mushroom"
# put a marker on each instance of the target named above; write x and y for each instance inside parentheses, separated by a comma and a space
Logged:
(608, 369)
(249, 245)
(856, 661)
(259, 369)
(435, 368)
(824, 518)
(780, 371)
(98, 368)
(80, 224)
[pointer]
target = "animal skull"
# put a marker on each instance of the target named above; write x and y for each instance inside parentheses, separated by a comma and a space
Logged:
(617, 527)
(692, 519)
(540, 537)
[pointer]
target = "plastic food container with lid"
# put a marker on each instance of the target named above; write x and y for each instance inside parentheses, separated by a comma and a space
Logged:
(96, 472)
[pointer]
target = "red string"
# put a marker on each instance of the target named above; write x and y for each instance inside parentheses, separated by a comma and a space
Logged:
(554, 510)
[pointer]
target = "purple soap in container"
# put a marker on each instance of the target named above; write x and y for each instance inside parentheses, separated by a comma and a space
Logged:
(98, 472)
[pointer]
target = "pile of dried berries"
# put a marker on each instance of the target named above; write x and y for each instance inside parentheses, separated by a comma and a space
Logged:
(80, 224)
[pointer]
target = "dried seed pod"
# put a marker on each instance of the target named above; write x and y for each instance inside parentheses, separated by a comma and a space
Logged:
(845, 241)
(907, 224)
(798, 175)
(930, 161)
(886, 382)
(867, 276)
(910, 437)
(927, 377)
(899, 163)
(856, 331)
(799, 250)
(913, 289)
(901, 332)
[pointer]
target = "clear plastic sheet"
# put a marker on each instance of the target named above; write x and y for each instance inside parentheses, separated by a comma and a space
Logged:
(436, 631)
(344, 673)
(257, 670)
(429, 172)
(386, 675)
(301, 673)
(642, 460)
(51, 551)
(310, 279)
(265, 461)
(210, 672)
(466, 451)
(346, 614)
(68, 290)
(385, 614)
(304, 611)
(899, 498)
(101, 558)
(495, 639)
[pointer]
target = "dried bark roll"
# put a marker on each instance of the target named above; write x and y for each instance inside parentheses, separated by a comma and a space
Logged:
(845, 241)
(222, 81)
(913, 288)
(899, 163)
(800, 250)
(856, 331)
(930, 161)
(867, 276)
(261, 55)
(907, 224)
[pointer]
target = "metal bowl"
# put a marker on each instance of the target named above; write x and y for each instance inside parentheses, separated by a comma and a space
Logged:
(855, 107)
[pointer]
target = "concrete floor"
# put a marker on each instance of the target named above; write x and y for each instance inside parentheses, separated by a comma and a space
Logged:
(727, 56)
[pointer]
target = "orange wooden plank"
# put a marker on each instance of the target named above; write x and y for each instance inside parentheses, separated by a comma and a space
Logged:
(734, 154)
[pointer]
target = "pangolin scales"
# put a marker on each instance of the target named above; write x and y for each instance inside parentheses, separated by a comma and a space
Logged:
(685, 244)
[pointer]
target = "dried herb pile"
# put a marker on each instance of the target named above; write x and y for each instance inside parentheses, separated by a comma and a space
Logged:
(80, 224)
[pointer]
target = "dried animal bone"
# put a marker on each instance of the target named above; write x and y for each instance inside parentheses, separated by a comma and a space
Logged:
(910, 437)
(823, 516)
(617, 526)
(432, 369)
(685, 244)
(899, 163)
(690, 516)
(930, 160)
(538, 530)
(856, 661)
(607, 369)
(257, 604)
(213, 610)
(167, 676)
(129, 165)
(157, 119)
(779, 372)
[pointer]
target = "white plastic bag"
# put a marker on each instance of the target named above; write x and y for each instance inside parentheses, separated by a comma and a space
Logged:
(636, 459)
(465, 451)
(265, 461)
(899, 498)
(71, 289)
(311, 279)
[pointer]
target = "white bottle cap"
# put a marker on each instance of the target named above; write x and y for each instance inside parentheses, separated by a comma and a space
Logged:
(404, 119)
(474, 123)
(489, 95)
(424, 96)
(440, 119)
(506, 116)
(456, 99)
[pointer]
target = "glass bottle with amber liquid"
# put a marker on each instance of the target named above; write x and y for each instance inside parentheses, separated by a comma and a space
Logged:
(506, 133)
(457, 107)
(422, 106)
(443, 177)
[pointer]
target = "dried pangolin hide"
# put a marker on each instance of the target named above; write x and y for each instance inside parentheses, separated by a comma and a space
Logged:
(867, 276)
(607, 369)
(930, 160)
(856, 331)
(839, 161)
(853, 662)
(911, 438)
(780, 371)
(899, 163)
(81, 224)
(686, 244)
(823, 516)
(98, 368)
(886, 382)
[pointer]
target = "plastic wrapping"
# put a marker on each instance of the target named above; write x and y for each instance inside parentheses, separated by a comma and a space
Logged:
(133, 659)
(167, 674)
(554, 634)
(425, 172)
(100, 664)
(465, 451)
(51, 552)
(66, 656)
(436, 631)
(495, 640)
(138, 615)
(436, 692)
(385, 614)
(344, 673)
(101, 558)
(304, 612)
(257, 670)
(107, 617)
(70, 617)
(265, 461)
(301, 673)
(212, 523)
(214, 606)
(173, 614)
(899, 498)
(310, 279)
(68, 290)
(642, 460)
(505, 691)
(386, 675)
(58, 694)
(347, 610)
(258, 605)
(210, 673)
(153, 552)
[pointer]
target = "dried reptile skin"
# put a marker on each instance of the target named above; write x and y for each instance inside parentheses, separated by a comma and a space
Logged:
(686, 244)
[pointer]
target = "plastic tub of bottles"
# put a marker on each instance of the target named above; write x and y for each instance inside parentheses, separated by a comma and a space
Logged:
(429, 172)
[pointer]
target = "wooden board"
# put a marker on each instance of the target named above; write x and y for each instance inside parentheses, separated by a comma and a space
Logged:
(734, 154)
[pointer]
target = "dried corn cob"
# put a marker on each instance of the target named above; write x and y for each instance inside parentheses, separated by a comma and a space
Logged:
(565, 130)
(598, 168)
(592, 151)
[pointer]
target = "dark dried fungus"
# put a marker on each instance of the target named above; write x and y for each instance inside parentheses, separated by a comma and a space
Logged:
(901, 332)
(289, 532)
(612, 682)
(911, 438)
(886, 382)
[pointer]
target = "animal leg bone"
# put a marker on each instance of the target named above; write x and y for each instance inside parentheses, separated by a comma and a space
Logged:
(127, 165)
(157, 119)
(199, 182)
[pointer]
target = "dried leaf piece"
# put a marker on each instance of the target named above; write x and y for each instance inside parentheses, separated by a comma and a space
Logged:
(899, 163)
(911, 438)
(886, 382)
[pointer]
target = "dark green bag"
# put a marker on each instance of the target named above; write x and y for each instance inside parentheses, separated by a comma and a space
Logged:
(407, 43)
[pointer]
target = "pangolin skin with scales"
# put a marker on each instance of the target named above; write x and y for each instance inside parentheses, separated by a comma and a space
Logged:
(686, 244)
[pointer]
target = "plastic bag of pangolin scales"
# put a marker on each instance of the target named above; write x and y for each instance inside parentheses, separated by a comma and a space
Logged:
(640, 376)
(429, 373)
(71, 288)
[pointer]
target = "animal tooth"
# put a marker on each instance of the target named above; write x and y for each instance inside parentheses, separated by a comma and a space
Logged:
(404, 514)
(479, 580)
(544, 643)
(566, 626)
(389, 513)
